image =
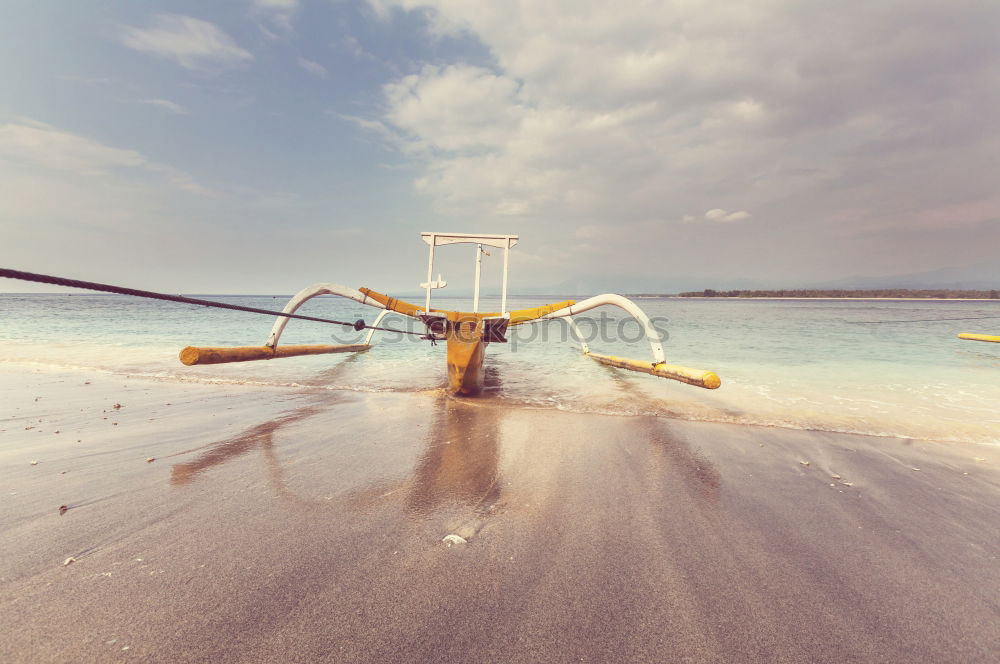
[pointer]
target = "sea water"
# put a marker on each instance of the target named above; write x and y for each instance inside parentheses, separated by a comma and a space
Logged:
(883, 367)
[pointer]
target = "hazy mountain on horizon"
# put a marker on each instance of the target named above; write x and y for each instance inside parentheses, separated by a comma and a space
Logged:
(979, 276)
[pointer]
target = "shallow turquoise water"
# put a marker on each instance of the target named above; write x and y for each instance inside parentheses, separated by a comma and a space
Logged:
(815, 364)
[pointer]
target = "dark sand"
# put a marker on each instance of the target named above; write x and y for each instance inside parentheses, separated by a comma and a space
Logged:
(302, 527)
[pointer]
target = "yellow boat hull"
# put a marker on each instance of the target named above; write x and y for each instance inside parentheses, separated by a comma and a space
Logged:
(466, 351)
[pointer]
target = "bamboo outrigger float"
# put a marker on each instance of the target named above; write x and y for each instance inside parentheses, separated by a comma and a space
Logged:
(968, 336)
(467, 333)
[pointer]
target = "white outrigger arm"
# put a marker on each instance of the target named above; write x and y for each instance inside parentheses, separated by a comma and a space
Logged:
(658, 367)
(270, 350)
(332, 289)
(316, 290)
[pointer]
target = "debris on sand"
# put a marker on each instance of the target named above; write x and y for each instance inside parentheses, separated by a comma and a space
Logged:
(454, 539)
(63, 509)
(150, 459)
(804, 463)
(69, 561)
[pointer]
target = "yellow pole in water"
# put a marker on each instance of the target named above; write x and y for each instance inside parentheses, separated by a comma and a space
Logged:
(698, 377)
(195, 355)
(979, 337)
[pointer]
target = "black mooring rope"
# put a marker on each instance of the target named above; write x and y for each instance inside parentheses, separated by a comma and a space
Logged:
(120, 290)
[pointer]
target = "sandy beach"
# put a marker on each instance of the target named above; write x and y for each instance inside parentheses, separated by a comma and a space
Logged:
(241, 524)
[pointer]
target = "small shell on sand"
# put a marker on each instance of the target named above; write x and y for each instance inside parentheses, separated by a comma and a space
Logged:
(804, 463)
(69, 561)
(454, 539)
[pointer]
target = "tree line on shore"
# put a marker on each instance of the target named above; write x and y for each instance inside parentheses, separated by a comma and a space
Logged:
(939, 293)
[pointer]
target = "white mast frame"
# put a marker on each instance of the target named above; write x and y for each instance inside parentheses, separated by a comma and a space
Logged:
(479, 271)
(436, 239)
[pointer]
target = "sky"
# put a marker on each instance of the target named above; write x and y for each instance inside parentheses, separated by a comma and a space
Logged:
(258, 146)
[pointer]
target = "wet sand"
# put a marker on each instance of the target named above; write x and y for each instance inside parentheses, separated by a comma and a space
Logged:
(273, 525)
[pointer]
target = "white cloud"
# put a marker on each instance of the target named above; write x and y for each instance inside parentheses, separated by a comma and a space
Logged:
(720, 215)
(355, 48)
(88, 80)
(274, 16)
(597, 113)
(190, 42)
(455, 108)
(166, 104)
(108, 204)
(314, 68)
(43, 146)
(372, 126)
(578, 120)
(46, 146)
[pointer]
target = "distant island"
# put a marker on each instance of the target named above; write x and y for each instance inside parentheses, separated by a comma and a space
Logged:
(901, 293)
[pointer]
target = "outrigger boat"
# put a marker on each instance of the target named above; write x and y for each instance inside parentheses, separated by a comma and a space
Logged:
(467, 333)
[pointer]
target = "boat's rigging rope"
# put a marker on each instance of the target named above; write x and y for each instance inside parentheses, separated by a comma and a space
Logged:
(120, 290)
